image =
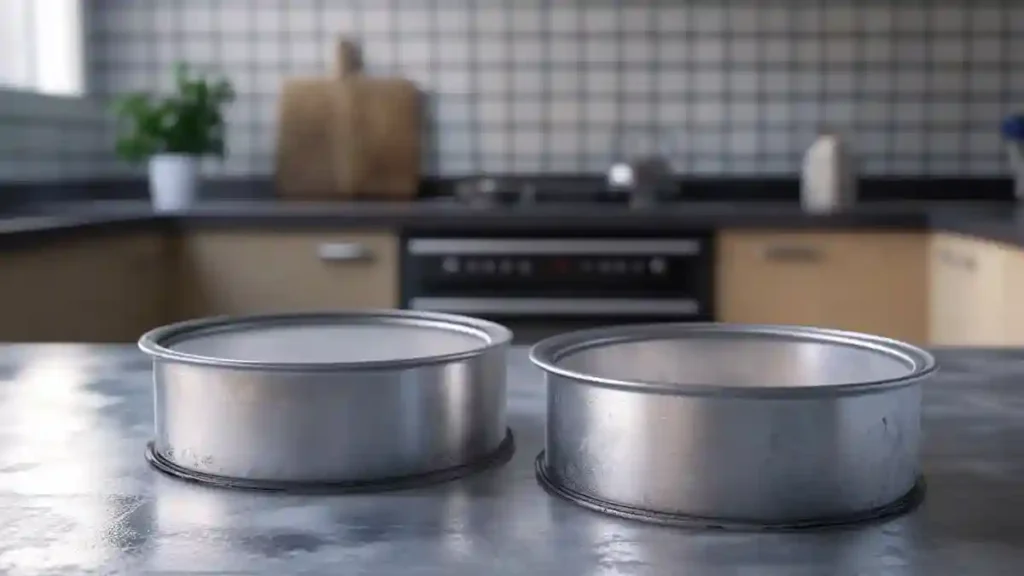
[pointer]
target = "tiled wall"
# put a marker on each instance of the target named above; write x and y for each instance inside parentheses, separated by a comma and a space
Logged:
(727, 86)
(52, 138)
(48, 138)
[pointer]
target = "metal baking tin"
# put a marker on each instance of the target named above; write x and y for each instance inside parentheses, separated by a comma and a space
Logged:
(339, 401)
(733, 426)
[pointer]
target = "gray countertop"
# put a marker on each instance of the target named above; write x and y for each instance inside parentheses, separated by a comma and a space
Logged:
(76, 496)
(1000, 221)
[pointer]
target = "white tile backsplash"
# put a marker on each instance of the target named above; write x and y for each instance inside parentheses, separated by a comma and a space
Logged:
(543, 86)
(565, 112)
(563, 143)
(48, 138)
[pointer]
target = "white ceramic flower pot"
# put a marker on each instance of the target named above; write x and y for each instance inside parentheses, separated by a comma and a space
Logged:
(173, 181)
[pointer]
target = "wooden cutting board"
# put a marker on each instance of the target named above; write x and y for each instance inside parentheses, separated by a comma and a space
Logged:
(307, 167)
(377, 126)
(350, 135)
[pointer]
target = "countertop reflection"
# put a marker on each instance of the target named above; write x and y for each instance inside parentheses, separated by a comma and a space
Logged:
(77, 496)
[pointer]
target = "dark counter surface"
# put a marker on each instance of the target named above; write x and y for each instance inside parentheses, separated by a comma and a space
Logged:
(1001, 221)
(77, 496)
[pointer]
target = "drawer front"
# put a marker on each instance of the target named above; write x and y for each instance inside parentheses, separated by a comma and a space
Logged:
(1013, 304)
(968, 295)
(875, 283)
(878, 283)
(249, 273)
(769, 278)
(88, 289)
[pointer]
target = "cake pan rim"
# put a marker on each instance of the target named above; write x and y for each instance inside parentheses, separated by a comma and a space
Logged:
(491, 334)
(547, 353)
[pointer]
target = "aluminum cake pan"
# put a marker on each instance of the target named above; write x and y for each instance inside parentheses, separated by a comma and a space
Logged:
(350, 400)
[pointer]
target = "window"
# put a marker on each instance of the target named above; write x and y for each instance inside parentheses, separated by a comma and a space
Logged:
(42, 46)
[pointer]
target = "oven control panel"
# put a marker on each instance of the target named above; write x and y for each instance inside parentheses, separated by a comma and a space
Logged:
(554, 267)
(549, 278)
(604, 267)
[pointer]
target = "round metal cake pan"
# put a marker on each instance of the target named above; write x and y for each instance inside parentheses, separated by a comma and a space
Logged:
(733, 425)
(346, 400)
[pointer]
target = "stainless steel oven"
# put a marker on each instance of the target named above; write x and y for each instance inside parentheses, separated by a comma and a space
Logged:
(540, 284)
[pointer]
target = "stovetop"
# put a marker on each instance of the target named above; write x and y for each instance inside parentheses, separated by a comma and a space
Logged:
(524, 191)
(558, 199)
(569, 189)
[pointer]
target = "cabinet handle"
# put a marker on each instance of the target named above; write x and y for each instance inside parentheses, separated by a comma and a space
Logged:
(804, 254)
(948, 258)
(344, 252)
(957, 261)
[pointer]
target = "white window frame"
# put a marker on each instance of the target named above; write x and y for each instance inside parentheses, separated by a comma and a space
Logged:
(42, 46)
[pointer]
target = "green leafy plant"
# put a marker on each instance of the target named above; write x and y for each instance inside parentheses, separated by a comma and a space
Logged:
(191, 121)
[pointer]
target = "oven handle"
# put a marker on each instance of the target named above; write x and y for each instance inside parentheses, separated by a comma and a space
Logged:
(532, 247)
(558, 306)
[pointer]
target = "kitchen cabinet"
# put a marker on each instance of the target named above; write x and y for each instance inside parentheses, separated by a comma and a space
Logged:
(88, 288)
(968, 290)
(1013, 296)
(249, 272)
(874, 282)
(976, 289)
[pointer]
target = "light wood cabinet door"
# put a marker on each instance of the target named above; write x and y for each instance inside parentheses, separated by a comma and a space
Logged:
(968, 292)
(866, 282)
(1013, 300)
(246, 272)
(105, 288)
(769, 278)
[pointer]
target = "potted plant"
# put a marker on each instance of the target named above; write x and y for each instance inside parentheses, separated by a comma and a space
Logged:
(174, 133)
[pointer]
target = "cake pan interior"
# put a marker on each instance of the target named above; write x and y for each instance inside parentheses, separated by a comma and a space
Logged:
(727, 357)
(356, 341)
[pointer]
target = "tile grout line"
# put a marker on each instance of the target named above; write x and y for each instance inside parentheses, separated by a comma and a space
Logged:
(904, 139)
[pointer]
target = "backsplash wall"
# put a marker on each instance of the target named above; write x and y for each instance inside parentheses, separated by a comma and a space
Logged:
(557, 86)
(51, 138)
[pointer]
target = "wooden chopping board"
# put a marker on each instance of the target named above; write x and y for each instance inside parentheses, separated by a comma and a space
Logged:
(377, 124)
(350, 135)
(307, 166)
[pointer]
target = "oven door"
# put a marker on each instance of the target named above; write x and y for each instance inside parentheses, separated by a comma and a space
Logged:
(533, 319)
(546, 284)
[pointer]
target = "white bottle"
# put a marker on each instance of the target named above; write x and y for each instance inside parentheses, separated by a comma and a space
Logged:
(829, 181)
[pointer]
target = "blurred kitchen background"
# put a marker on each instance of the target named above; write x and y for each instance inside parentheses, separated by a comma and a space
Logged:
(541, 87)
(578, 162)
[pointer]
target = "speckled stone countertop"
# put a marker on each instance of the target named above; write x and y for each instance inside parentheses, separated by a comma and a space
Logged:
(1000, 221)
(76, 496)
